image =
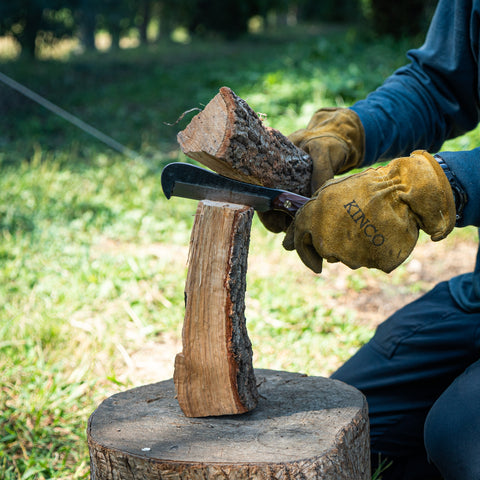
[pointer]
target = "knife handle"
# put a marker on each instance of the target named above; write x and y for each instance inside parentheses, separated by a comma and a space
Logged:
(289, 202)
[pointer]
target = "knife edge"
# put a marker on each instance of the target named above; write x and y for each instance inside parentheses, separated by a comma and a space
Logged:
(206, 192)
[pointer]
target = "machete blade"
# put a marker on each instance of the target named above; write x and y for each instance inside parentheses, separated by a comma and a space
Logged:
(189, 181)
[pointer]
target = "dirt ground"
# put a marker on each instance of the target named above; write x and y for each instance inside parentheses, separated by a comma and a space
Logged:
(429, 264)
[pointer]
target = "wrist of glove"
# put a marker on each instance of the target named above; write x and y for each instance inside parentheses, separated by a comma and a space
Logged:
(372, 219)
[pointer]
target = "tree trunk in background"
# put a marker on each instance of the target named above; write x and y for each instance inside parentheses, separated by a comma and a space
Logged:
(27, 39)
(409, 17)
(116, 35)
(88, 24)
(329, 11)
(145, 10)
(167, 19)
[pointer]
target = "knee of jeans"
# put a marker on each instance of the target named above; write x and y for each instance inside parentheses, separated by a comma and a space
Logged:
(447, 448)
(436, 442)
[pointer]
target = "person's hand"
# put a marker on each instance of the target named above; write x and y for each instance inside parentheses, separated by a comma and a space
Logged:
(372, 219)
(335, 140)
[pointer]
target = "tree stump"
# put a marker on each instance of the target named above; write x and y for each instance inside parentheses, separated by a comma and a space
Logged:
(214, 373)
(303, 428)
(229, 137)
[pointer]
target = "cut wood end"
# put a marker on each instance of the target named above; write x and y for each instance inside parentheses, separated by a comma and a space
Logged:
(230, 206)
(206, 132)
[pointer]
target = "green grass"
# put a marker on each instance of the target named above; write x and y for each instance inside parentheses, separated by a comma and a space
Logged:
(92, 257)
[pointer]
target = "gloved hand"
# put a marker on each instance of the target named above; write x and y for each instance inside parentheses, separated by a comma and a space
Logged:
(372, 219)
(335, 140)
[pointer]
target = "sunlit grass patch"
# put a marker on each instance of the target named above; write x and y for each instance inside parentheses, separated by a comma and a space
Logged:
(9, 48)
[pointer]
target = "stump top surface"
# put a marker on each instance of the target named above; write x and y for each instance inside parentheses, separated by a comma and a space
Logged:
(297, 417)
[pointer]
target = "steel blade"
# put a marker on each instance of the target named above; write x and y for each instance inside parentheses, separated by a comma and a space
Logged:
(190, 181)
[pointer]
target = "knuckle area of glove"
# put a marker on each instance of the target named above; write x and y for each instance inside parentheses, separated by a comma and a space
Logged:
(351, 236)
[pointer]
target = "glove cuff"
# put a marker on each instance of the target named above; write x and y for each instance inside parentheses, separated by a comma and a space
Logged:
(432, 197)
(459, 194)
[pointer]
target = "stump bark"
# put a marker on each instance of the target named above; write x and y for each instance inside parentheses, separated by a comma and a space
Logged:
(214, 373)
(229, 137)
(303, 428)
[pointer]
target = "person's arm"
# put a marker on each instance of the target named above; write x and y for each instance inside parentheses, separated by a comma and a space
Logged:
(432, 99)
(465, 165)
(372, 218)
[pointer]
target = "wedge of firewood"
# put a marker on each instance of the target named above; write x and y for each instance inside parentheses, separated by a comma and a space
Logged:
(229, 137)
(214, 372)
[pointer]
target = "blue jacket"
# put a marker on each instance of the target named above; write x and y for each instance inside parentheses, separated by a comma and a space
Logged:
(434, 98)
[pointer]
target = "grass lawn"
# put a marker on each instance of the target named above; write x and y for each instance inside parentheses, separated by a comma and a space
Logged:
(93, 257)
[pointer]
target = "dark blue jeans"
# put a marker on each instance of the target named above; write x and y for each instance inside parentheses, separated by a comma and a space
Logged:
(421, 376)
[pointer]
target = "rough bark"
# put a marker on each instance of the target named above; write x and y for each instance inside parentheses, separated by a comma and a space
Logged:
(214, 373)
(303, 428)
(229, 137)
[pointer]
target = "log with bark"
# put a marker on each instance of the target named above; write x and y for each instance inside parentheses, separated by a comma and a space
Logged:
(214, 373)
(230, 138)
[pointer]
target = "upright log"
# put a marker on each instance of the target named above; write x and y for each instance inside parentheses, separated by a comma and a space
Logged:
(214, 374)
(229, 137)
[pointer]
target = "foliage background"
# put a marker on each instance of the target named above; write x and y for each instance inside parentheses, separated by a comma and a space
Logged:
(34, 23)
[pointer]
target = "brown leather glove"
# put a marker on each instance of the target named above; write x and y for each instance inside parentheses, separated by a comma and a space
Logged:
(335, 140)
(372, 219)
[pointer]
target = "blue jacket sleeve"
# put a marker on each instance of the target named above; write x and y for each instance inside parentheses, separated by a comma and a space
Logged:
(466, 166)
(432, 99)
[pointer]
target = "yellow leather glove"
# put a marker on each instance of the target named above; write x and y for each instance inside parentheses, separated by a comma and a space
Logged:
(335, 140)
(372, 219)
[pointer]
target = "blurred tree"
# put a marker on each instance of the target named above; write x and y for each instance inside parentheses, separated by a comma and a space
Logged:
(117, 17)
(229, 18)
(409, 17)
(86, 16)
(160, 11)
(329, 10)
(26, 19)
(143, 18)
(29, 20)
(226, 17)
(167, 16)
(278, 9)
